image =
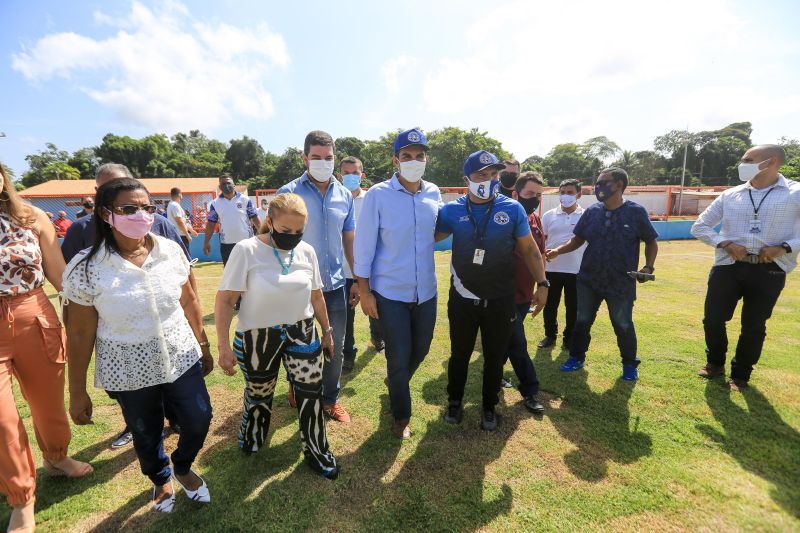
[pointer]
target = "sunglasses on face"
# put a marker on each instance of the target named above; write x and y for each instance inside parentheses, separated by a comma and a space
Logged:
(131, 209)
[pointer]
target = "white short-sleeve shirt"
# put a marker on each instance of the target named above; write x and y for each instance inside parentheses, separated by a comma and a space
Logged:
(143, 336)
(269, 297)
(174, 210)
(233, 216)
(558, 225)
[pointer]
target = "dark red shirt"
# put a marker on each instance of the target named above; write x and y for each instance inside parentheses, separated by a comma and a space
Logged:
(523, 280)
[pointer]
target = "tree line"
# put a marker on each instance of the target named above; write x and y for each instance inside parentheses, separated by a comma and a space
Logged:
(711, 158)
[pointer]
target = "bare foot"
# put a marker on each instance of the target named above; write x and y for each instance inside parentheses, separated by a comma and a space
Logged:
(69, 467)
(163, 493)
(190, 481)
(22, 518)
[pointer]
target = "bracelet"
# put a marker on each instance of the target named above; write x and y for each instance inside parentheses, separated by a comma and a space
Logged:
(204, 344)
(326, 331)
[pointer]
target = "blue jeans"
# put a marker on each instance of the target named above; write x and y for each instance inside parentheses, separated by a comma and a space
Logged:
(336, 303)
(408, 332)
(143, 410)
(350, 350)
(620, 309)
(518, 354)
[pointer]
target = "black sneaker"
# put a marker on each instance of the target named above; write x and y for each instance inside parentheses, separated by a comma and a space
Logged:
(506, 384)
(488, 419)
(454, 413)
(379, 345)
(546, 342)
(347, 366)
(533, 405)
(122, 440)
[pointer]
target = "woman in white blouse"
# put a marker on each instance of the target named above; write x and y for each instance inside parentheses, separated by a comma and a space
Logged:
(278, 279)
(128, 298)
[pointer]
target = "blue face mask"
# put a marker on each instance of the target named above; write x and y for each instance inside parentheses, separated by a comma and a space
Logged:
(351, 181)
(603, 191)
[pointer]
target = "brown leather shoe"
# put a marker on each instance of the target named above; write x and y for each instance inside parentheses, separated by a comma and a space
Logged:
(401, 429)
(737, 385)
(711, 371)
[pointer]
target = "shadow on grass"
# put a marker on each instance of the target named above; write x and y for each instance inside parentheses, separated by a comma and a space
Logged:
(361, 362)
(759, 440)
(443, 486)
(599, 424)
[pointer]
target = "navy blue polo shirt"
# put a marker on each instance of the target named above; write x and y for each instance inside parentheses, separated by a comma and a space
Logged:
(506, 222)
(613, 242)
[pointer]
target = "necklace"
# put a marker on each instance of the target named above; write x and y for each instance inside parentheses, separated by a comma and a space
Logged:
(284, 266)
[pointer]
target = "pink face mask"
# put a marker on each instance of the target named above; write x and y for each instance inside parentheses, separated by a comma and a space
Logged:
(133, 226)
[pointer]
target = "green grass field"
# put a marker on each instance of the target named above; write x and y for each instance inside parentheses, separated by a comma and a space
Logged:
(672, 453)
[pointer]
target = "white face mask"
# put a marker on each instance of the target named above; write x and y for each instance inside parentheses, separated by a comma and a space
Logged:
(483, 189)
(412, 170)
(320, 169)
(567, 200)
(748, 171)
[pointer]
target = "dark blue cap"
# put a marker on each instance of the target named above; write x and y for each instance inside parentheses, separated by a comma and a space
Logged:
(480, 160)
(408, 138)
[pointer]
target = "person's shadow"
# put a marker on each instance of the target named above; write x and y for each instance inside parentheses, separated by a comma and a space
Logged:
(457, 457)
(599, 424)
(759, 440)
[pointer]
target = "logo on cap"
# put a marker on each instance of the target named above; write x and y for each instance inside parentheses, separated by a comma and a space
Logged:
(413, 137)
(485, 158)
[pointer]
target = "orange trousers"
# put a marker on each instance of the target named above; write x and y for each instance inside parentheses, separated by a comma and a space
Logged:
(32, 349)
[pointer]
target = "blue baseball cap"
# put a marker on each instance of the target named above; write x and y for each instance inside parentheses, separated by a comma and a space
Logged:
(409, 138)
(479, 160)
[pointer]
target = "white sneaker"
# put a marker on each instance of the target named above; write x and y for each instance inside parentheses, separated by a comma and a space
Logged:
(201, 495)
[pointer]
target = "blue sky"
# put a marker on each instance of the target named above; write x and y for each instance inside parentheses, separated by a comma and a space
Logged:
(531, 74)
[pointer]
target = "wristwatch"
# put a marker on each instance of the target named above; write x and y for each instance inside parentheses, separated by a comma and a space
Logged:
(544, 283)
(785, 246)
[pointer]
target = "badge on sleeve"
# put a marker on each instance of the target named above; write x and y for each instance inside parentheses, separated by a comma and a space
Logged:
(477, 259)
(755, 226)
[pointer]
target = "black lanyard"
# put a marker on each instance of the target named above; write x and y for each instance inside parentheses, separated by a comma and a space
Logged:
(756, 209)
(479, 236)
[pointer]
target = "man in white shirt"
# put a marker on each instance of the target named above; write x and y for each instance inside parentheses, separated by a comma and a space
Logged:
(352, 172)
(756, 247)
(263, 210)
(177, 216)
(236, 216)
(562, 272)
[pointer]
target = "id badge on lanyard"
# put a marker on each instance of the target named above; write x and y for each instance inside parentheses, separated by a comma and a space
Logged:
(755, 226)
(477, 259)
(755, 223)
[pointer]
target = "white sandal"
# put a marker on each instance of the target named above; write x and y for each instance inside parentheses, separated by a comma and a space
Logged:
(164, 506)
(201, 495)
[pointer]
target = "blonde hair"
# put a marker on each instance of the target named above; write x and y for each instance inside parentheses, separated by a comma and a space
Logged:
(287, 202)
(12, 205)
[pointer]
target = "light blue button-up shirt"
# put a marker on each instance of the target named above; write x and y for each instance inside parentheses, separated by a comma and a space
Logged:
(394, 242)
(328, 218)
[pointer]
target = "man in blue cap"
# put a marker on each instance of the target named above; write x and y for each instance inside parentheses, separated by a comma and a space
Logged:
(487, 228)
(395, 270)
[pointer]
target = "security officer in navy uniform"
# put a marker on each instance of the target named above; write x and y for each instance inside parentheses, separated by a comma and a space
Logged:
(487, 227)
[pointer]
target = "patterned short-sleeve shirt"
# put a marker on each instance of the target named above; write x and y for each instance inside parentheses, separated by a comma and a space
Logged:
(21, 269)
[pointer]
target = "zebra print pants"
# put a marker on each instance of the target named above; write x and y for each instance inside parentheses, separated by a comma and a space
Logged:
(260, 353)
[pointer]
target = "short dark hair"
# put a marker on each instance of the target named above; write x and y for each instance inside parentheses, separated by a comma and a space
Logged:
(317, 138)
(224, 177)
(618, 174)
(511, 162)
(173, 192)
(571, 183)
(353, 161)
(525, 177)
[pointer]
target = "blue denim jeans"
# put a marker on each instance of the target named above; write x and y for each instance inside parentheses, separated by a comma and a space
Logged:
(350, 350)
(620, 309)
(143, 410)
(336, 303)
(518, 354)
(407, 332)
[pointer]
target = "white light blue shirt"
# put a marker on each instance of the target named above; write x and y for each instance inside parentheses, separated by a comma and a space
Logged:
(328, 218)
(394, 242)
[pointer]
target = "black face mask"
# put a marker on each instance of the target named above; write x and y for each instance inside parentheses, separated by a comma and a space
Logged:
(508, 179)
(529, 204)
(88, 205)
(286, 241)
(227, 188)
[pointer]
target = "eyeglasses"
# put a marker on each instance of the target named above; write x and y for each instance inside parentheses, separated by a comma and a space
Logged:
(131, 209)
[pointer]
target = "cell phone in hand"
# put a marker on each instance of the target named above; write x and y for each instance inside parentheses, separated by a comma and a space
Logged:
(641, 276)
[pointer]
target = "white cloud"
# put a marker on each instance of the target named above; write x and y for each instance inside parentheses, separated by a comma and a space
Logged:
(164, 70)
(394, 68)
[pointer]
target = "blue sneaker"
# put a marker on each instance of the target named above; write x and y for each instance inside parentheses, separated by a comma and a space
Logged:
(571, 365)
(630, 373)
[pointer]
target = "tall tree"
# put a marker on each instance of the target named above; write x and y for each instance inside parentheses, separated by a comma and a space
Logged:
(448, 149)
(42, 166)
(601, 148)
(245, 157)
(569, 161)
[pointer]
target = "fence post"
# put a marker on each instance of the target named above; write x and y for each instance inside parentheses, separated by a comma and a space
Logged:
(669, 203)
